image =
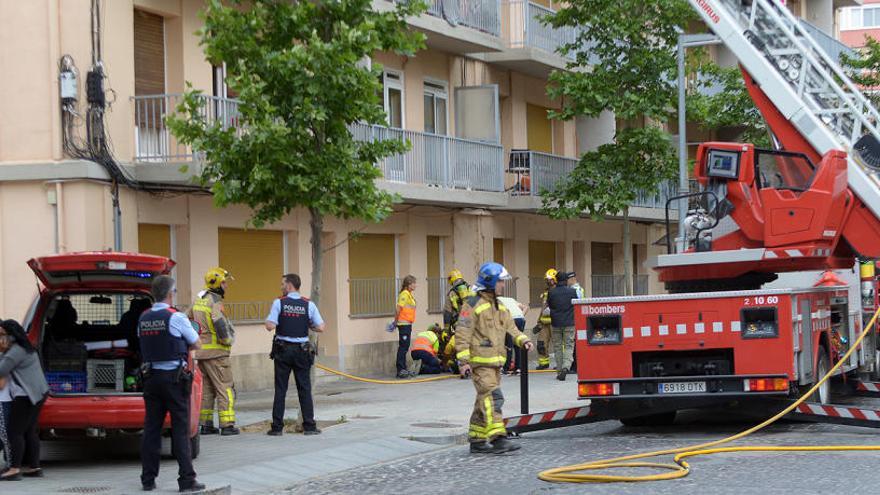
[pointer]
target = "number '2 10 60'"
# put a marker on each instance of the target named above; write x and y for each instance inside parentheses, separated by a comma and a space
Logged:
(760, 300)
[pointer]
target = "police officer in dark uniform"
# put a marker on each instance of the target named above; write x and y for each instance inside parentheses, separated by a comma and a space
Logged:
(291, 317)
(166, 337)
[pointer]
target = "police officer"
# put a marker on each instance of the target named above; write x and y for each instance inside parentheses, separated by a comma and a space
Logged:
(166, 337)
(217, 336)
(482, 325)
(291, 317)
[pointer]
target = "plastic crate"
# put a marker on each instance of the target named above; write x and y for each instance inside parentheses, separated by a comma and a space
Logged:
(62, 364)
(66, 382)
(105, 375)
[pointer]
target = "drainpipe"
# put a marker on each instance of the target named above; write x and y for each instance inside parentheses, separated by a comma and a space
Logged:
(55, 197)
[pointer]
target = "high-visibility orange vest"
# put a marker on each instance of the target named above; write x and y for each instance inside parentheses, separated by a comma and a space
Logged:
(407, 313)
(426, 341)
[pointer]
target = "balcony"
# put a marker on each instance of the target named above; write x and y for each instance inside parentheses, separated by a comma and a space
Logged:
(615, 285)
(532, 44)
(438, 161)
(457, 26)
(534, 171)
(154, 142)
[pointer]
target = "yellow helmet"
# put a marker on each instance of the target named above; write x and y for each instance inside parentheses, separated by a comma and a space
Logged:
(551, 274)
(216, 276)
(454, 275)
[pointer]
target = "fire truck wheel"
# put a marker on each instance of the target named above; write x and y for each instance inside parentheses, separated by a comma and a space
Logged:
(659, 419)
(823, 395)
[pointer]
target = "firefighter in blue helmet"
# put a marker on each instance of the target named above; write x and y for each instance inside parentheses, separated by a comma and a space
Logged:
(479, 344)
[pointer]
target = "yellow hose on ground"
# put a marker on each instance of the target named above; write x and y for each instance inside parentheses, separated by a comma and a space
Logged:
(572, 474)
(399, 382)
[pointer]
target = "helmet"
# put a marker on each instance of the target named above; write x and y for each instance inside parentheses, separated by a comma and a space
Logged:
(551, 274)
(454, 275)
(215, 277)
(489, 275)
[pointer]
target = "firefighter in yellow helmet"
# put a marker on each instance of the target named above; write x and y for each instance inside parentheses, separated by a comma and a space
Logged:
(458, 292)
(542, 329)
(482, 326)
(217, 336)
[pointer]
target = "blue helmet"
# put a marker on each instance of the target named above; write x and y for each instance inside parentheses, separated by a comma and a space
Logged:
(489, 275)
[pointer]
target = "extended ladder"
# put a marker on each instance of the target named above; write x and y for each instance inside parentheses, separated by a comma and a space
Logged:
(805, 84)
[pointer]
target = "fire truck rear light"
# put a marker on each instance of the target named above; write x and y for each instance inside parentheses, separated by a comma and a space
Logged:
(765, 384)
(594, 389)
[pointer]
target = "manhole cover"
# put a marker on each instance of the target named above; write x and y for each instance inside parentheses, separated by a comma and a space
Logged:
(86, 489)
(435, 425)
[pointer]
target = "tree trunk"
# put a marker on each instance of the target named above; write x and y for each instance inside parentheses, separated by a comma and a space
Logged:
(627, 254)
(316, 222)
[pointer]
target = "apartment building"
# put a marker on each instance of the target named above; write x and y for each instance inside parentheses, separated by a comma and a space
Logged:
(473, 105)
(858, 22)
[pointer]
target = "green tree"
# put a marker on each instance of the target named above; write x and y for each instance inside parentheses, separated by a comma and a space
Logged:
(864, 69)
(625, 63)
(297, 69)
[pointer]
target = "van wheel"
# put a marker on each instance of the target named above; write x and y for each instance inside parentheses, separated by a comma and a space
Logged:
(195, 445)
(659, 419)
(823, 395)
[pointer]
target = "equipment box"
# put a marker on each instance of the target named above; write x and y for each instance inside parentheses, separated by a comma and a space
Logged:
(105, 375)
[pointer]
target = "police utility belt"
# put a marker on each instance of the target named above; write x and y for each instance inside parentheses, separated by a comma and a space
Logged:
(279, 345)
(181, 373)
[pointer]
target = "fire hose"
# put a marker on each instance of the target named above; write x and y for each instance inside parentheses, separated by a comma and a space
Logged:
(680, 468)
(399, 382)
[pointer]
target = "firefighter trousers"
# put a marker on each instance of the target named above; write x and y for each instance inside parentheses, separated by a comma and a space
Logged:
(217, 386)
(563, 346)
(487, 423)
(543, 340)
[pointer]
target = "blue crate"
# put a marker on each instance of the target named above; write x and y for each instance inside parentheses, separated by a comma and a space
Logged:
(66, 382)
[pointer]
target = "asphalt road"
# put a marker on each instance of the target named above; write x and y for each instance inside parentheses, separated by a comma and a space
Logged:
(454, 470)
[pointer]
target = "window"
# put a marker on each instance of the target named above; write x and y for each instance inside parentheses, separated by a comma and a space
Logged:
(257, 277)
(860, 17)
(221, 89)
(781, 170)
(372, 275)
(437, 283)
(435, 108)
(392, 98)
(154, 239)
(149, 53)
(542, 257)
(539, 129)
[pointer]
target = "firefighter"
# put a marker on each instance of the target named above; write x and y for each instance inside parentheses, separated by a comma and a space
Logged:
(573, 283)
(542, 329)
(458, 292)
(482, 325)
(446, 353)
(425, 348)
(217, 336)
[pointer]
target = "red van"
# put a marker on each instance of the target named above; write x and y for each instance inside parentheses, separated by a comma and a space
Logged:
(84, 323)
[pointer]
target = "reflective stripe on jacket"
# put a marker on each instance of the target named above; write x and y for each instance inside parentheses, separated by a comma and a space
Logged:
(426, 341)
(481, 329)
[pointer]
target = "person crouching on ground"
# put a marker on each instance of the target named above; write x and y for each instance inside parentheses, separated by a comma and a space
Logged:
(425, 347)
(482, 325)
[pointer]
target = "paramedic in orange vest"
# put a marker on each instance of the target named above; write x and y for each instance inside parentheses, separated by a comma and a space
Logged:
(425, 347)
(404, 319)
(217, 336)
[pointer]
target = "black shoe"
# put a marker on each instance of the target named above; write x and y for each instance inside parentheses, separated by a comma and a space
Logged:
(229, 430)
(543, 367)
(275, 433)
(482, 448)
(403, 374)
(13, 477)
(195, 486)
(312, 431)
(33, 473)
(562, 374)
(148, 487)
(504, 371)
(502, 445)
(209, 430)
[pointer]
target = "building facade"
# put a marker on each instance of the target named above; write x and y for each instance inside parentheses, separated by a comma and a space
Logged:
(473, 105)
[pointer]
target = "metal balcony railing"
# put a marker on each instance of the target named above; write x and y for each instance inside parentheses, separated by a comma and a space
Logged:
(526, 28)
(247, 312)
(371, 297)
(481, 15)
(615, 285)
(154, 142)
(439, 161)
(537, 286)
(535, 171)
(438, 287)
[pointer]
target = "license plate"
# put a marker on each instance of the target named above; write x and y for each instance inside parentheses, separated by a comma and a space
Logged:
(681, 387)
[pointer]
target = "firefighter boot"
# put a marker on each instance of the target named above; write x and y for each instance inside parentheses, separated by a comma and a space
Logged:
(482, 448)
(502, 445)
(209, 429)
(229, 430)
(561, 374)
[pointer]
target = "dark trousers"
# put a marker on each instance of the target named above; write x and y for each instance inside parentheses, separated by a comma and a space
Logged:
(298, 359)
(512, 352)
(163, 396)
(403, 334)
(24, 438)
(430, 364)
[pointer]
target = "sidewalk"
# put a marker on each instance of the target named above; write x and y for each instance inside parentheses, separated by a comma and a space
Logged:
(378, 423)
